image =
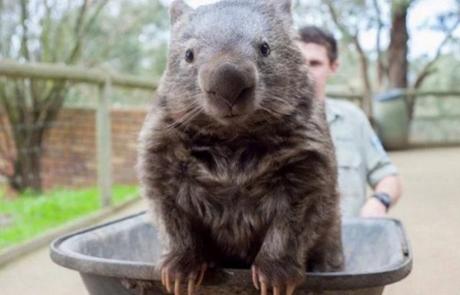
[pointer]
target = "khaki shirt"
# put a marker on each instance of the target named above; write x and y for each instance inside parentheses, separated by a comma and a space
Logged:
(361, 158)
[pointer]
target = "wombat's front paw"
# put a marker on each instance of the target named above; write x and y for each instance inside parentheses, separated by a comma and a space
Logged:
(180, 268)
(279, 274)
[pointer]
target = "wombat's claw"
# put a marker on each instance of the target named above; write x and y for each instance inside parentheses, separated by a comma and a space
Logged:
(258, 279)
(200, 275)
(194, 280)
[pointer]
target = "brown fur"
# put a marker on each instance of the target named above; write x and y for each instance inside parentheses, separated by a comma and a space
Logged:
(259, 191)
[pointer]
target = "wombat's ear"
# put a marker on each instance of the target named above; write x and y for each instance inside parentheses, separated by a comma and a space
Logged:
(285, 8)
(178, 8)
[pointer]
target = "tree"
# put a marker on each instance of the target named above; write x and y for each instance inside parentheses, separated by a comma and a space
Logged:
(353, 18)
(136, 47)
(397, 62)
(37, 31)
(84, 32)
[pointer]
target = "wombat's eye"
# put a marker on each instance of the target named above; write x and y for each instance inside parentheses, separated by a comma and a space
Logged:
(265, 49)
(189, 56)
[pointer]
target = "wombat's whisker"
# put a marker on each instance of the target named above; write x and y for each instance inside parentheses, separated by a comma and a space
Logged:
(189, 107)
(190, 103)
(192, 116)
(284, 102)
(187, 117)
(273, 112)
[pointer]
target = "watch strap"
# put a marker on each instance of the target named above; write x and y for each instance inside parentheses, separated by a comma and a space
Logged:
(384, 198)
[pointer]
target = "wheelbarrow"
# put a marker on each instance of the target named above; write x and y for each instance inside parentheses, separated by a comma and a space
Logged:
(119, 258)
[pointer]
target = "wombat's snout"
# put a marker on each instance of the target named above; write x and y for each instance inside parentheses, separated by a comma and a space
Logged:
(229, 87)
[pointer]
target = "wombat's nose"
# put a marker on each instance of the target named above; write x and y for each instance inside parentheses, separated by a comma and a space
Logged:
(232, 82)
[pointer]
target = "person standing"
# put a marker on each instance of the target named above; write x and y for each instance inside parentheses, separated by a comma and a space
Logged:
(361, 158)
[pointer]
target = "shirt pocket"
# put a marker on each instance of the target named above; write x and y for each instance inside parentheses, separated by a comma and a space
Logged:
(349, 165)
(348, 157)
(352, 185)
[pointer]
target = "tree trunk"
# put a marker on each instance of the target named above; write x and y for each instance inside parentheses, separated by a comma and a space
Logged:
(398, 50)
(31, 107)
(367, 87)
(28, 125)
(27, 168)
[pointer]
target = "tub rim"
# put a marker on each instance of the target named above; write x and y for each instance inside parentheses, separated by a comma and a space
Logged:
(139, 271)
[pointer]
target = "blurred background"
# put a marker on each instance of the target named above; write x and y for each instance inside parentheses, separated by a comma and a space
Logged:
(76, 78)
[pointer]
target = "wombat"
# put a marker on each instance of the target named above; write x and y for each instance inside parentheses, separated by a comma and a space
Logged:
(235, 156)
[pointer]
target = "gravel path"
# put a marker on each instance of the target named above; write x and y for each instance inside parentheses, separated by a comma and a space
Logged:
(430, 212)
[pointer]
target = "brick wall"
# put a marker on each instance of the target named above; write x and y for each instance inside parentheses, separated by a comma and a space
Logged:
(70, 148)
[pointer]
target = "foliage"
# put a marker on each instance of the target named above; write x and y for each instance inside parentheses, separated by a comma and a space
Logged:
(134, 37)
(127, 35)
(37, 31)
(447, 76)
(31, 214)
(386, 64)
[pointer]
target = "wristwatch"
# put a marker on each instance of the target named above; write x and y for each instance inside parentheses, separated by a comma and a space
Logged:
(384, 198)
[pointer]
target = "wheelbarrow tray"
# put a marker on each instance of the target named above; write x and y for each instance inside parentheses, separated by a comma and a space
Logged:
(120, 258)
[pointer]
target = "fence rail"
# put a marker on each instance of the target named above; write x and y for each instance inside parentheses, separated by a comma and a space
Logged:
(73, 73)
(455, 94)
(413, 93)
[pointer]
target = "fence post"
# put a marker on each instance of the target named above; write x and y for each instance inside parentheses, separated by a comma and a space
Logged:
(104, 144)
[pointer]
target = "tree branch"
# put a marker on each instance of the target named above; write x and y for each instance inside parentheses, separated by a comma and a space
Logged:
(2, 7)
(81, 28)
(5, 144)
(427, 69)
(25, 38)
(381, 65)
(24, 122)
(4, 119)
(58, 35)
(364, 62)
(93, 18)
(54, 98)
(44, 36)
(78, 33)
(12, 113)
(8, 108)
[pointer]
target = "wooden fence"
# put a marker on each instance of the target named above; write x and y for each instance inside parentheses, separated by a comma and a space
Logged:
(100, 78)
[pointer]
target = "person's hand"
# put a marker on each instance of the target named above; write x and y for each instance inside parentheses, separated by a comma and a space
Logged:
(373, 208)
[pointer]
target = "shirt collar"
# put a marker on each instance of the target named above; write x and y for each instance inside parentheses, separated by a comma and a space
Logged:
(332, 111)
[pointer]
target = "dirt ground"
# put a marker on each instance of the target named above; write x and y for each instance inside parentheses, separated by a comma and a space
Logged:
(429, 211)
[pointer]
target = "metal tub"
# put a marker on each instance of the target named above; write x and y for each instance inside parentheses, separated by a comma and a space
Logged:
(119, 258)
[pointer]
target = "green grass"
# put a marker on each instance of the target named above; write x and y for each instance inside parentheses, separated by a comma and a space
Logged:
(32, 215)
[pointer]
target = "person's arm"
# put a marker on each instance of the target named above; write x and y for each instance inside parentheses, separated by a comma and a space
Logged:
(390, 185)
(382, 175)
